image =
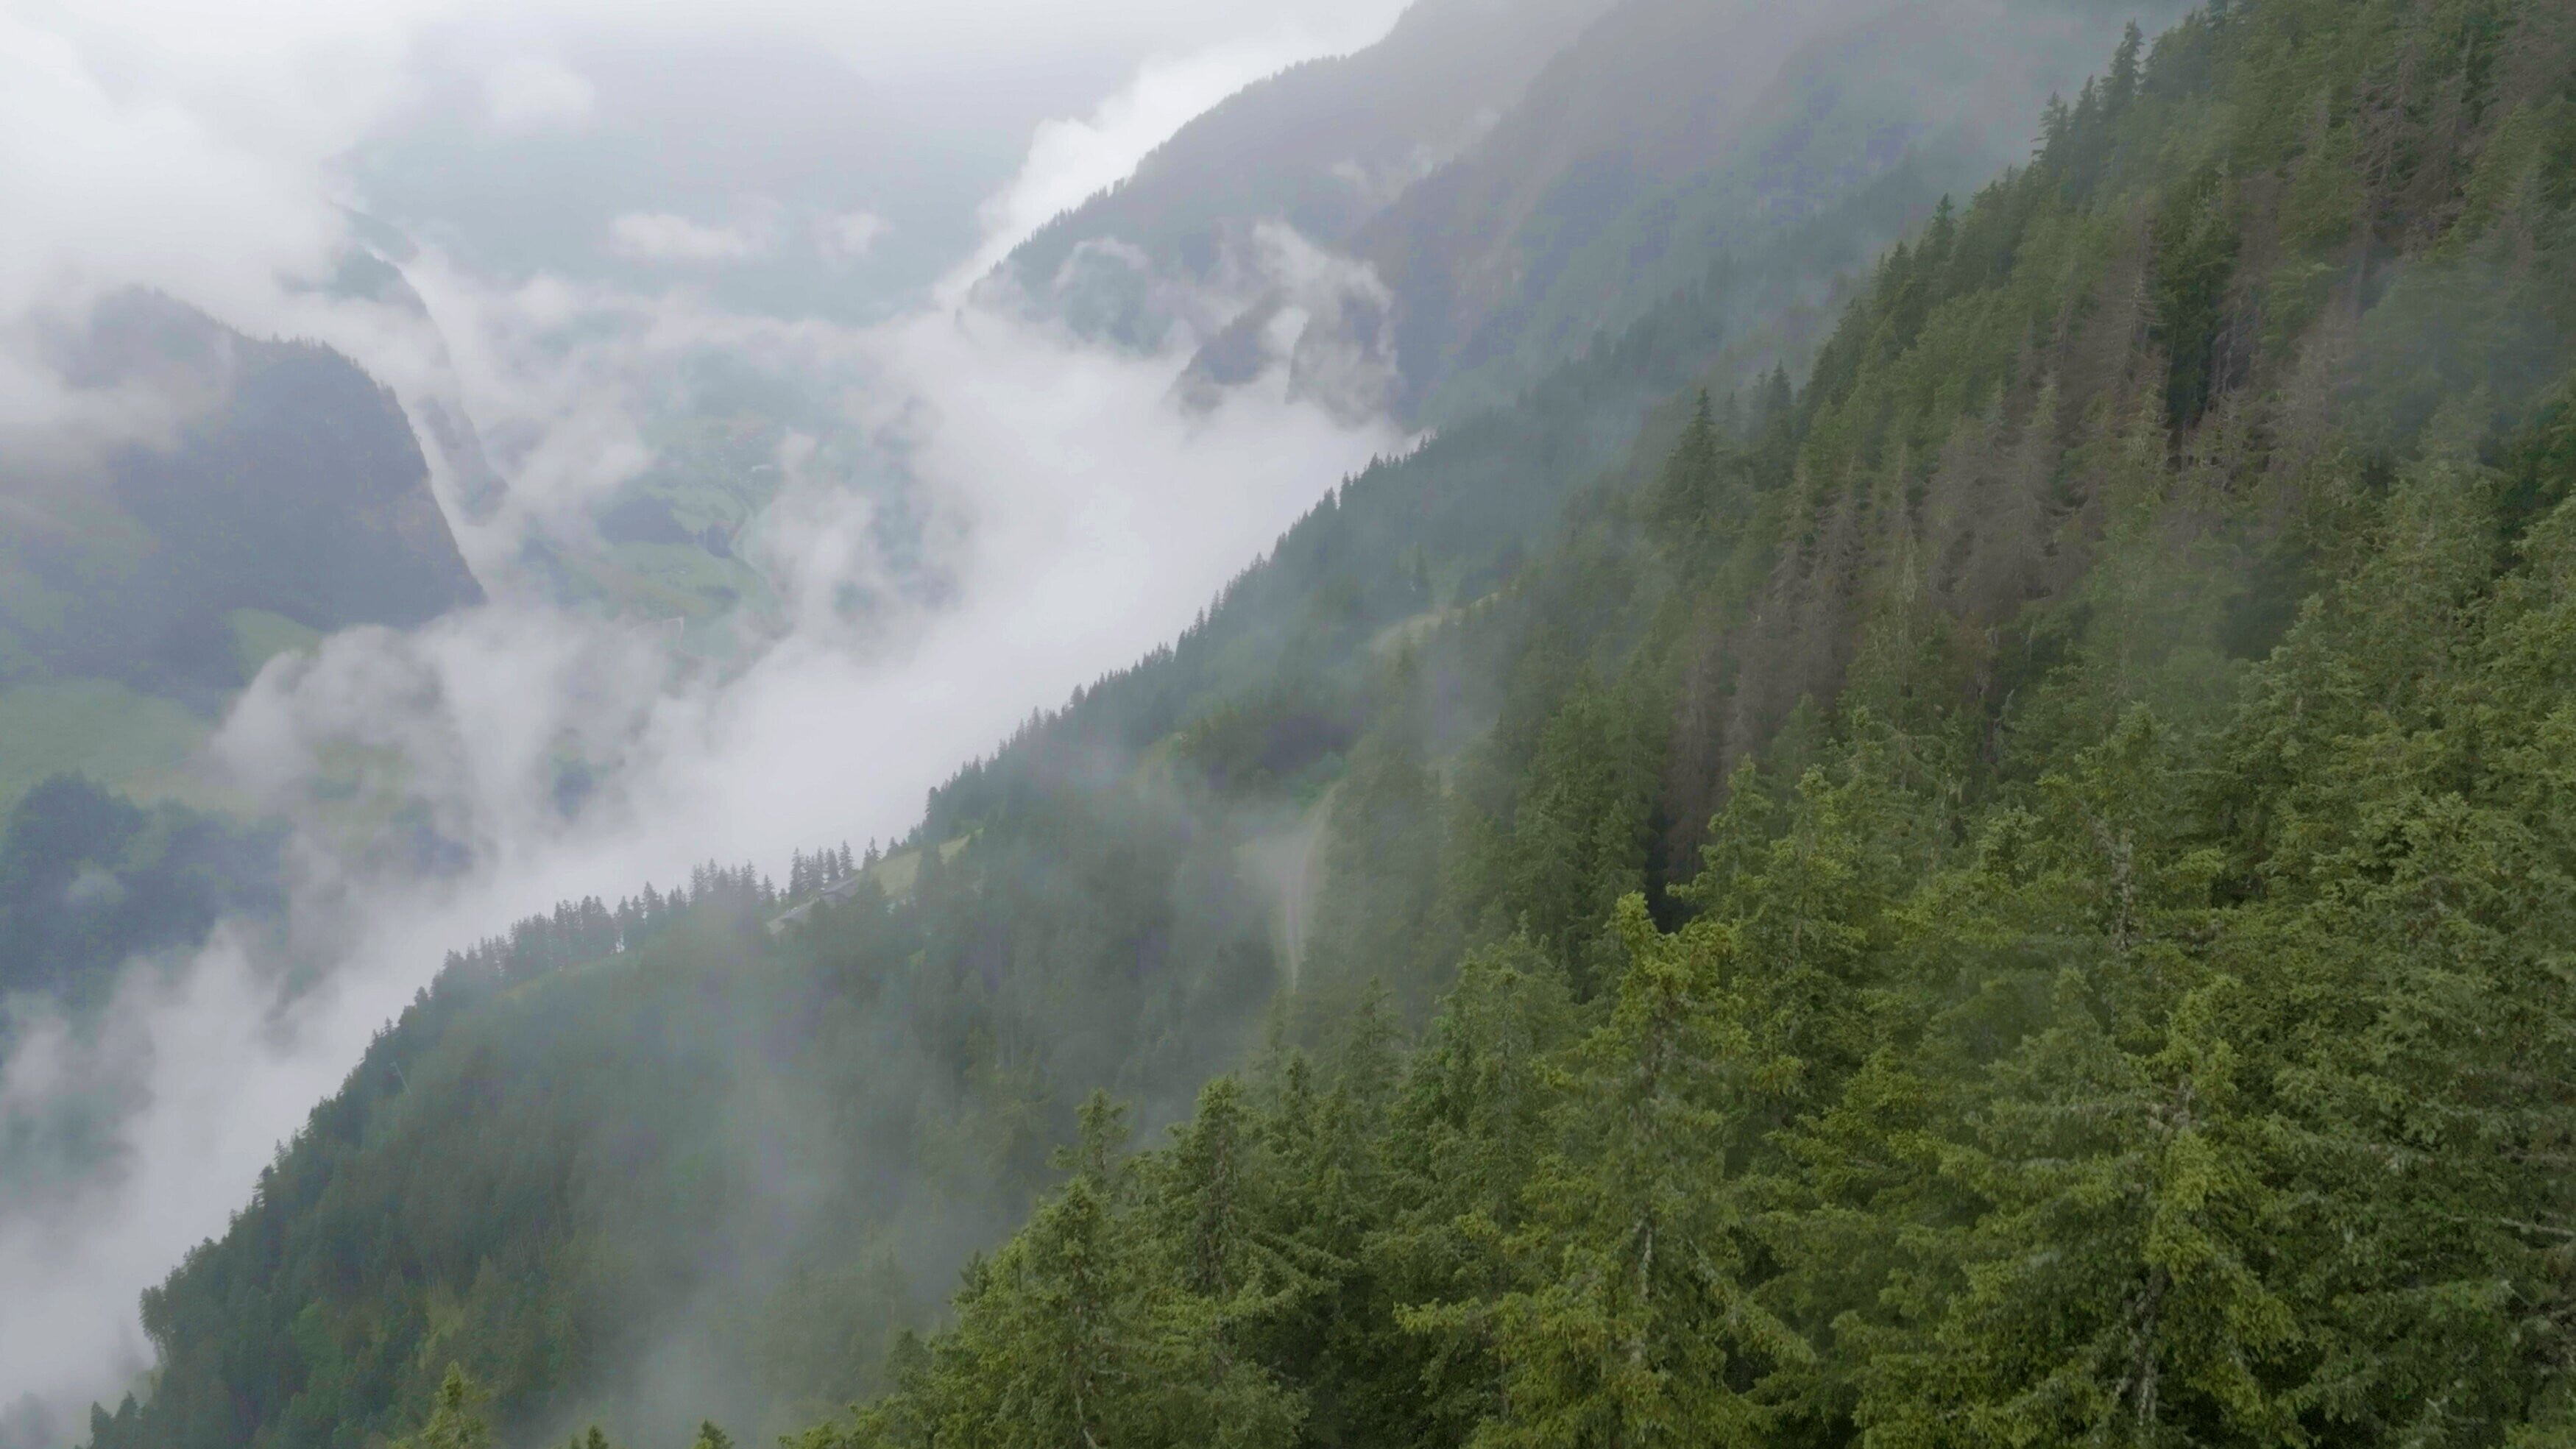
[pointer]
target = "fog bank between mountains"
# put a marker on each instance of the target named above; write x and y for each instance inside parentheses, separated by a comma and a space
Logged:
(1063, 518)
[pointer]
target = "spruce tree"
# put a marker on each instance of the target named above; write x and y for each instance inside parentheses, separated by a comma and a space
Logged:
(1642, 1326)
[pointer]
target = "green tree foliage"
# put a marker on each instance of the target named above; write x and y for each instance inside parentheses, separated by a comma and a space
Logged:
(2017, 892)
(1078, 1333)
(455, 1417)
(89, 880)
(2121, 994)
(661, 1121)
(1639, 1326)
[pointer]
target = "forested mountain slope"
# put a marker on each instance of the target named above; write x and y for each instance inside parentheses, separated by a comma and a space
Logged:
(653, 1161)
(1102, 914)
(1670, 131)
(2014, 892)
(2117, 991)
(1319, 148)
(96, 891)
(215, 500)
(1439, 221)
(89, 880)
(277, 481)
(1578, 215)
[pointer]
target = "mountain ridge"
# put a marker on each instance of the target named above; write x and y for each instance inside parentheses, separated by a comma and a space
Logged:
(1317, 148)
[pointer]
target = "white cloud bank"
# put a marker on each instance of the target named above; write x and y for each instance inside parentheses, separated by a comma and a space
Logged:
(659, 236)
(529, 91)
(850, 237)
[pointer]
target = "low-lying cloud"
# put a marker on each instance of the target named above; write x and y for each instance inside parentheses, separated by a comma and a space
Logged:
(1072, 159)
(659, 236)
(1063, 518)
(528, 91)
(850, 236)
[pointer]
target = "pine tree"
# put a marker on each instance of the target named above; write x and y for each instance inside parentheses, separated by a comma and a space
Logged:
(1098, 1154)
(455, 1417)
(1464, 1141)
(1057, 1341)
(2122, 86)
(1642, 1327)
(2123, 1286)
(1686, 498)
(1206, 1195)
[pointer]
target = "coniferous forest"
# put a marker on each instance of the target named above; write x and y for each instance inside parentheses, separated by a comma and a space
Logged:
(2004, 877)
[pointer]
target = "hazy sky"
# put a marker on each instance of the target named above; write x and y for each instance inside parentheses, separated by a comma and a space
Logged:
(713, 176)
(186, 142)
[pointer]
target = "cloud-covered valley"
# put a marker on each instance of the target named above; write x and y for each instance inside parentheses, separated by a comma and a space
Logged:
(997, 515)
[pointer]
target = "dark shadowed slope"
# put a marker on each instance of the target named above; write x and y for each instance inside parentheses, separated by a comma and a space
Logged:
(1675, 128)
(1319, 148)
(277, 482)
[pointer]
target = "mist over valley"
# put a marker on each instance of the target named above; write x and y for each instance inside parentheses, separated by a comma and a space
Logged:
(1459, 723)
